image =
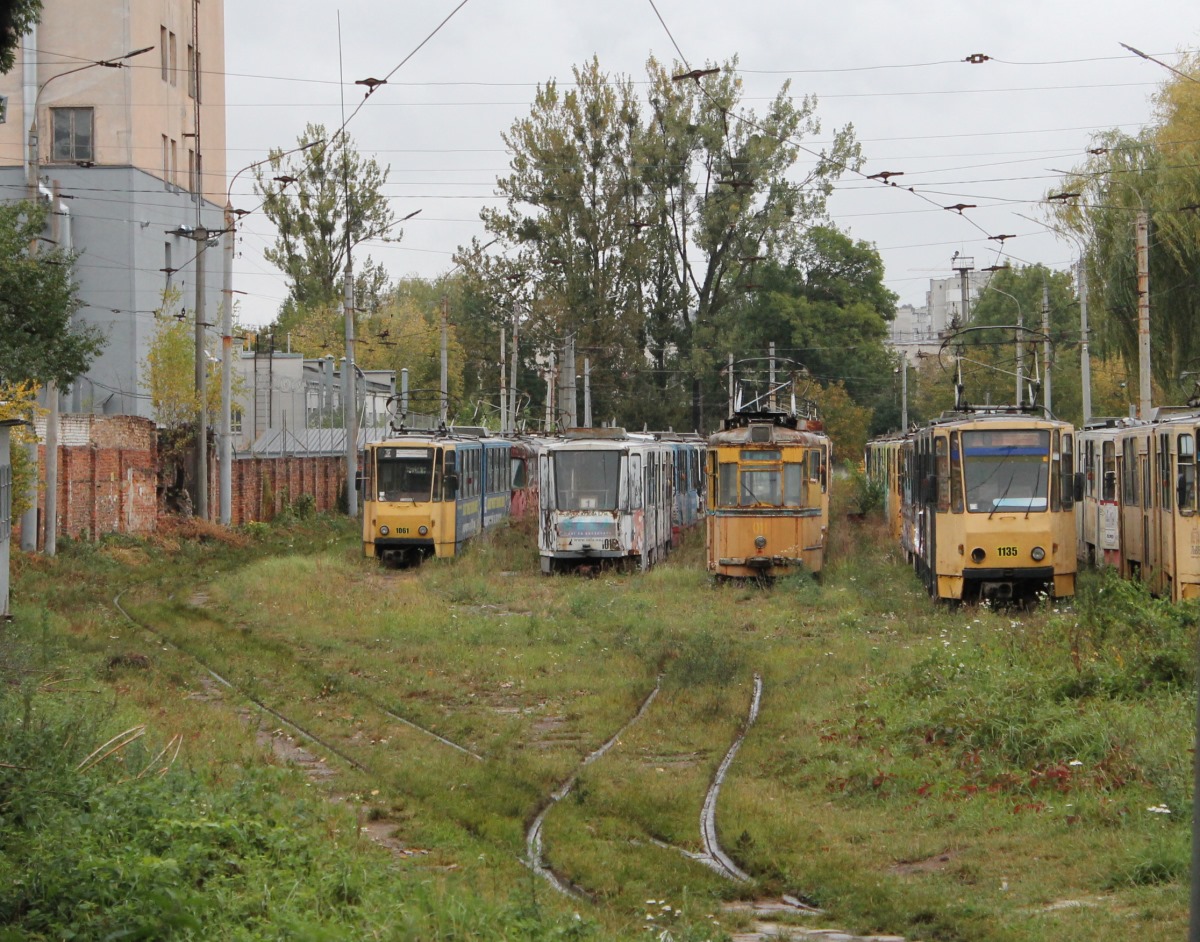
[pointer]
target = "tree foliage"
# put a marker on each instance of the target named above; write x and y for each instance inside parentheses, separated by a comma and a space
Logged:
(636, 225)
(19, 401)
(16, 16)
(170, 368)
(1152, 171)
(324, 198)
(38, 343)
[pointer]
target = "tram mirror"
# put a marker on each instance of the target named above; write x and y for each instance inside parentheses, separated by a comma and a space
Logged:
(1078, 485)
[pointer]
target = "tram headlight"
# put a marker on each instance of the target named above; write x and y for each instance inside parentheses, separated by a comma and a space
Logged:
(1038, 554)
(384, 531)
(760, 541)
(977, 554)
(422, 530)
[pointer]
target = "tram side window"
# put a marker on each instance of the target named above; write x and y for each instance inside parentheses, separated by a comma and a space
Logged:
(1164, 469)
(793, 484)
(1068, 470)
(942, 457)
(1187, 474)
(1129, 472)
(956, 490)
(1109, 472)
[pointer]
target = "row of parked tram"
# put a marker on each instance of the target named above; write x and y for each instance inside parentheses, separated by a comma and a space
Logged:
(1000, 504)
(1139, 510)
(607, 497)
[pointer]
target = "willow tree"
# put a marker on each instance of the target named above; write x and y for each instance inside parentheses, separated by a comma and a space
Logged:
(1125, 175)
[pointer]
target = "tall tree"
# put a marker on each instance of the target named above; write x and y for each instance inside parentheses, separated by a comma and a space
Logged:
(728, 188)
(637, 230)
(324, 200)
(37, 300)
(1152, 172)
(570, 217)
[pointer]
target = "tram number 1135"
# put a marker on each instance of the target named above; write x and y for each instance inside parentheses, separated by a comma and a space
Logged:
(1006, 551)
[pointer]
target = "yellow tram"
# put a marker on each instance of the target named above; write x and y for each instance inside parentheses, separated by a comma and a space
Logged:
(989, 505)
(768, 496)
(1159, 526)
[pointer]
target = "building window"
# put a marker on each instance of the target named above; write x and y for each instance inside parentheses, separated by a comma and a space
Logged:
(191, 67)
(174, 178)
(191, 171)
(197, 75)
(163, 54)
(235, 420)
(72, 139)
(174, 61)
(166, 162)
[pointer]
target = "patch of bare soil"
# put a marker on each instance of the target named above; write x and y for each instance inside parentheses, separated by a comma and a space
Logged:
(932, 864)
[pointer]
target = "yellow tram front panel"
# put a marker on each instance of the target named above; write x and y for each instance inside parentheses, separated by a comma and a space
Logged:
(768, 501)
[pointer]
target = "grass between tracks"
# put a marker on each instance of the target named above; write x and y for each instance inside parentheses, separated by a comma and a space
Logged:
(955, 775)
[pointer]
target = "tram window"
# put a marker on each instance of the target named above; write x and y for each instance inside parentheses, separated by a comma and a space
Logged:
(759, 487)
(956, 490)
(1129, 494)
(1146, 496)
(1187, 474)
(586, 480)
(793, 484)
(1068, 470)
(403, 474)
(727, 484)
(1109, 488)
(1164, 469)
(942, 453)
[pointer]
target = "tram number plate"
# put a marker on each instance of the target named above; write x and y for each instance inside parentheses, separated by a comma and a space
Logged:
(400, 531)
(611, 545)
(1006, 551)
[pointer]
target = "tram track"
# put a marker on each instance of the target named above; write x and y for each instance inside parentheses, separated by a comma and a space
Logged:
(712, 856)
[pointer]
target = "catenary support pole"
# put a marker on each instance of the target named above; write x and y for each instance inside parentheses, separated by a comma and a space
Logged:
(1143, 301)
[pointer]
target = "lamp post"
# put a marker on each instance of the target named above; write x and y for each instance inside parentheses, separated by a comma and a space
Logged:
(32, 173)
(225, 434)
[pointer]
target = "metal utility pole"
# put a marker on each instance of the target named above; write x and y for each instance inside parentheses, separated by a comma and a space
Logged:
(225, 455)
(445, 385)
(1047, 350)
(512, 387)
(503, 386)
(904, 391)
(587, 392)
(349, 396)
(1020, 357)
(771, 382)
(201, 507)
(62, 235)
(551, 375)
(1085, 359)
(1143, 293)
(729, 382)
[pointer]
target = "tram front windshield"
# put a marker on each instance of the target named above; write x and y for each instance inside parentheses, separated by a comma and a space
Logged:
(404, 473)
(586, 480)
(1006, 470)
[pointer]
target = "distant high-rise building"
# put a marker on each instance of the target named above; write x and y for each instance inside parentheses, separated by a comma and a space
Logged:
(121, 107)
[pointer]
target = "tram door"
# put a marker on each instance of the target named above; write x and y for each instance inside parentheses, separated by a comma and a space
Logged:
(1132, 519)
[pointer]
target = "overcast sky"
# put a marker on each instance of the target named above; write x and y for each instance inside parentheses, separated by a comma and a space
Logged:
(988, 134)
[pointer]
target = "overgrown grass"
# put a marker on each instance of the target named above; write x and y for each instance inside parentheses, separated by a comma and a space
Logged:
(978, 774)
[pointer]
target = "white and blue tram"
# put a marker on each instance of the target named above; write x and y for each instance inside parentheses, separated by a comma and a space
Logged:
(606, 498)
